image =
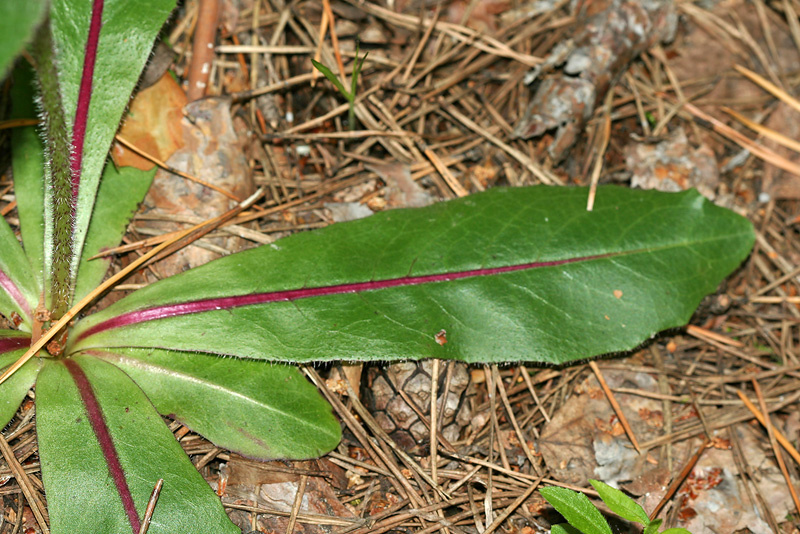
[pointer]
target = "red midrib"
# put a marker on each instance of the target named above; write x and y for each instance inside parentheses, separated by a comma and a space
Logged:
(223, 303)
(84, 99)
(98, 422)
(13, 343)
(13, 291)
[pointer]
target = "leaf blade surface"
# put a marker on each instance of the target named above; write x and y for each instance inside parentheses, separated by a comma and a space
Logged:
(577, 509)
(514, 274)
(79, 438)
(120, 192)
(14, 390)
(619, 503)
(114, 38)
(13, 344)
(17, 282)
(27, 149)
(18, 21)
(256, 409)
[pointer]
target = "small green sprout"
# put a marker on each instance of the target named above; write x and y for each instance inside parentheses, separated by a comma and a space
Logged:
(584, 517)
(349, 95)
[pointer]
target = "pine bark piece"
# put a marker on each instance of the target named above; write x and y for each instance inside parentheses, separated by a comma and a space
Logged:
(212, 152)
(673, 165)
(381, 387)
(609, 34)
(775, 182)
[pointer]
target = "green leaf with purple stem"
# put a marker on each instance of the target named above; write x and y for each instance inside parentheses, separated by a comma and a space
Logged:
(510, 274)
(18, 292)
(102, 47)
(103, 447)
(120, 192)
(12, 344)
(12, 392)
(27, 149)
(257, 409)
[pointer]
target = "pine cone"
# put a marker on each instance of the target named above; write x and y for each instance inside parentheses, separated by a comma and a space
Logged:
(380, 393)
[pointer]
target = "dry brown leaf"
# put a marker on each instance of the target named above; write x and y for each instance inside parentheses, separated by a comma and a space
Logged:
(152, 124)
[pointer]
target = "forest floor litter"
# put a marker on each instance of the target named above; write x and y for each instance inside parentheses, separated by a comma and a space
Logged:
(454, 98)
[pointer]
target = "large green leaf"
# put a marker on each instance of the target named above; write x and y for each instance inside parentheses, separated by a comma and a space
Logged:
(17, 282)
(28, 165)
(120, 193)
(20, 276)
(510, 274)
(126, 33)
(103, 447)
(18, 21)
(12, 345)
(14, 390)
(257, 409)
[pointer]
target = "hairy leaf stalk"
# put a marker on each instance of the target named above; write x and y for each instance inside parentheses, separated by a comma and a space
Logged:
(58, 174)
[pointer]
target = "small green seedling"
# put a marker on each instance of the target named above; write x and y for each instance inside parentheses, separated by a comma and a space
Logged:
(583, 516)
(349, 95)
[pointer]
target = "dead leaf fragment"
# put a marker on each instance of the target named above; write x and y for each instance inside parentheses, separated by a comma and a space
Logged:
(401, 190)
(211, 151)
(152, 124)
(584, 438)
(441, 337)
